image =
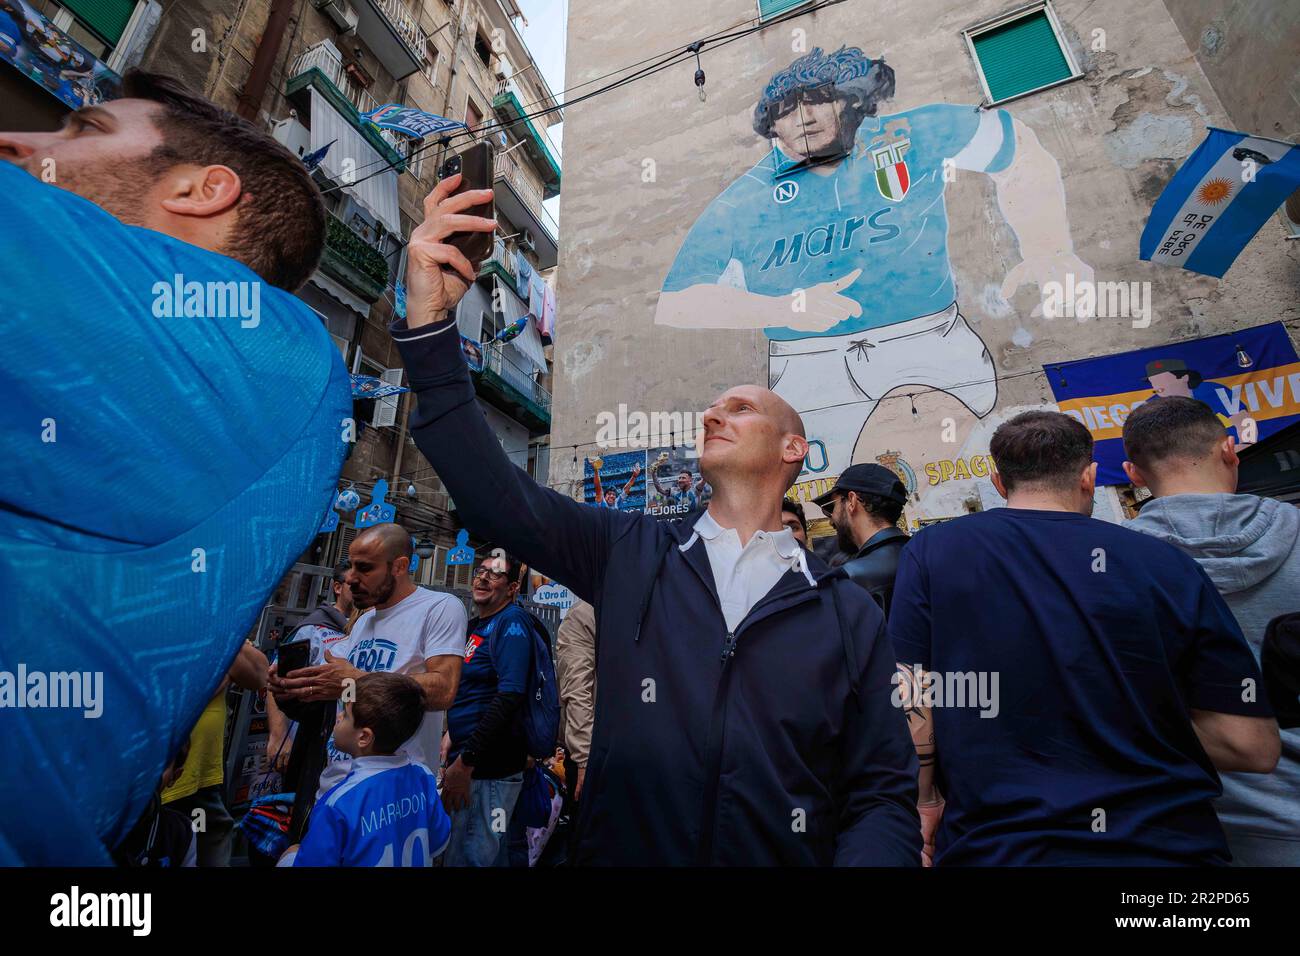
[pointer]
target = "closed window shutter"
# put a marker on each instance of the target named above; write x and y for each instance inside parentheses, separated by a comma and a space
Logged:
(105, 18)
(1021, 56)
(386, 408)
(767, 9)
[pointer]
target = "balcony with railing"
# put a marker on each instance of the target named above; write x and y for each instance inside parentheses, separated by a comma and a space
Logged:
(352, 261)
(321, 66)
(519, 201)
(524, 396)
(387, 27)
(501, 262)
(511, 103)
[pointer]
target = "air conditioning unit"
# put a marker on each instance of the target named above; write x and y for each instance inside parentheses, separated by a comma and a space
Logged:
(292, 135)
(340, 12)
(503, 69)
(526, 240)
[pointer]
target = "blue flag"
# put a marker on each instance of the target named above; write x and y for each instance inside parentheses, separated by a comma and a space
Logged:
(314, 158)
(1218, 200)
(412, 122)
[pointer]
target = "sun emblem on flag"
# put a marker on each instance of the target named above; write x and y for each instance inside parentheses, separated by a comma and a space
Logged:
(1214, 191)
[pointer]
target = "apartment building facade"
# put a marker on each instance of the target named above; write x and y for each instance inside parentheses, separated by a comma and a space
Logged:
(306, 70)
(994, 147)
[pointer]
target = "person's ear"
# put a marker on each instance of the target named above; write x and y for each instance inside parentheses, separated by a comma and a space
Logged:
(1135, 475)
(365, 737)
(1228, 452)
(201, 191)
(796, 449)
(997, 483)
(1088, 480)
(401, 566)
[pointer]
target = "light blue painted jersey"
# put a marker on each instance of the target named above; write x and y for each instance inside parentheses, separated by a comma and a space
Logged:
(385, 812)
(881, 210)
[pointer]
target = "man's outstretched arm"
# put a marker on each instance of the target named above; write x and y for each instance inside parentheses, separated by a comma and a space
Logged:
(496, 499)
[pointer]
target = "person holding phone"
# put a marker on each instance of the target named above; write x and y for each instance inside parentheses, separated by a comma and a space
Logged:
(717, 620)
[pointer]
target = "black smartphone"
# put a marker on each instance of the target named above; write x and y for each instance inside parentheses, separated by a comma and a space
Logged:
(475, 167)
(293, 656)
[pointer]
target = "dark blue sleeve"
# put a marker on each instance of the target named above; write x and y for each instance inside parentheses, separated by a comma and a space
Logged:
(1219, 671)
(909, 613)
(512, 651)
(323, 844)
(878, 823)
(497, 499)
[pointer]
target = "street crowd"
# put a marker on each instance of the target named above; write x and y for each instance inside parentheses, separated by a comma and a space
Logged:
(1023, 685)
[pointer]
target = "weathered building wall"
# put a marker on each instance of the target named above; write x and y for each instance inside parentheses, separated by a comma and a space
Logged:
(1237, 43)
(646, 163)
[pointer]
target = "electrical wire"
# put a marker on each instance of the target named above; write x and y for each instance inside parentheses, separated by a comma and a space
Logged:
(668, 60)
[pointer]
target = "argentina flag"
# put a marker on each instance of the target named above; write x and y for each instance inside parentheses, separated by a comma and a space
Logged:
(1218, 200)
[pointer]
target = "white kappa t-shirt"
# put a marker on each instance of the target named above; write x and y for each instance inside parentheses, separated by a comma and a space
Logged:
(398, 640)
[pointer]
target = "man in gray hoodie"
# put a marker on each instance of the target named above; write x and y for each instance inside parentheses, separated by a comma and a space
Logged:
(1250, 548)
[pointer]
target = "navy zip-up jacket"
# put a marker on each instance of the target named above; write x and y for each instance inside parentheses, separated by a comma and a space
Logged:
(777, 744)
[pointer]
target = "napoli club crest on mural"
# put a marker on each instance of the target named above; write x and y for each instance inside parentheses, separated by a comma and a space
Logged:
(892, 178)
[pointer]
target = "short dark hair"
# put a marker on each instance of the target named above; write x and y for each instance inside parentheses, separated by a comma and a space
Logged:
(391, 706)
(880, 507)
(280, 232)
(513, 564)
(1173, 427)
(796, 509)
(341, 571)
(1041, 447)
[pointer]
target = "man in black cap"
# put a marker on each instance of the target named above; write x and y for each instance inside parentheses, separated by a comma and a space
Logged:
(864, 507)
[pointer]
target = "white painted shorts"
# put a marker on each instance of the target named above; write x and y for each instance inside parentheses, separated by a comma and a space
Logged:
(835, 382)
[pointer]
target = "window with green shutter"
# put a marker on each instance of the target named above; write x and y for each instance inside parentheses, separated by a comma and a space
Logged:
(105, 18)
(767, 9)
(1020, 56)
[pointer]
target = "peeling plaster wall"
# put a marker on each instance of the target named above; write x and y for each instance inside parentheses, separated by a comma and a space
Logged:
(1117, 134)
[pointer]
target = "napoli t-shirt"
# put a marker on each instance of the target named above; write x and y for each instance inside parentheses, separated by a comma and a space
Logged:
(1100, 639)
(398, 640)
(498, 652)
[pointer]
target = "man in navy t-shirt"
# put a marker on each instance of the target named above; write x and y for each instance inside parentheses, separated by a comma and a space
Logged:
(1072, 685)
(486, 750)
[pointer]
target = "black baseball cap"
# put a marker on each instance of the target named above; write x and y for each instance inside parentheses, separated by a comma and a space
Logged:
(866, 480)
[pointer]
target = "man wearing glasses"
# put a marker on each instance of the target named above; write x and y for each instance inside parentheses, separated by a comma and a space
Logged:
(486, 749)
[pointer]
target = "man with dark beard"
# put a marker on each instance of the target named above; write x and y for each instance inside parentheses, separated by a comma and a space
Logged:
(864, 507)
(406, 630)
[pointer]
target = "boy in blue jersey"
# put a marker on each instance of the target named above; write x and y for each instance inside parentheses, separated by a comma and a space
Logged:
(386, 811)
(836, 244)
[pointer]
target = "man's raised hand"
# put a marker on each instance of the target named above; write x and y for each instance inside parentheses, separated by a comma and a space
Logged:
(438, 274)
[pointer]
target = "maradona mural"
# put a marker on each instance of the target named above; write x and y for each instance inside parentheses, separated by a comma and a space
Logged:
(836, 244)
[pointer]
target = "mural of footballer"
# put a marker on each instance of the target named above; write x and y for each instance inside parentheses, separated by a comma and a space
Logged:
(836, 244)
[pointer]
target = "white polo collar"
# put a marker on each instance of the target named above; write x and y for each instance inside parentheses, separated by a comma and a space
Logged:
(783, 542)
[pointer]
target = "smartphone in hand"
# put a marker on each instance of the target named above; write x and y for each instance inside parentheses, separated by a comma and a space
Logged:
(475, 166)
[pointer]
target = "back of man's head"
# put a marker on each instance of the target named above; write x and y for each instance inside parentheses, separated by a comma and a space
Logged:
(1171, 438)
(1041, 451)
(280, 230)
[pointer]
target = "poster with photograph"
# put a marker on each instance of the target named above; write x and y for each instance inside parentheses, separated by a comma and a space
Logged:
(674, 485)
(48, 56)
(615, 480)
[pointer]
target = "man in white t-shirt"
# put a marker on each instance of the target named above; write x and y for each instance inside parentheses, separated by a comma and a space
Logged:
(408, 630)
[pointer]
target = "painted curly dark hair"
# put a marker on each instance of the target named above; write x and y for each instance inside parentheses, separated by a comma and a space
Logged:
(854, 77)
